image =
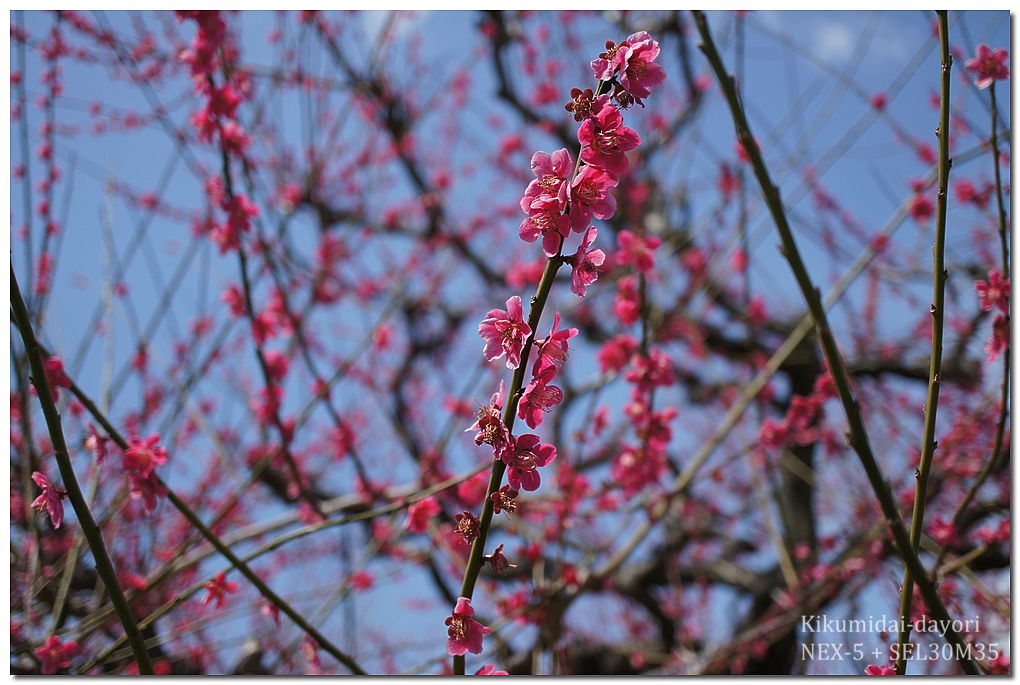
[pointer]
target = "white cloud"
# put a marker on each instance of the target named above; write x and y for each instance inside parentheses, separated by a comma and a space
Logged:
(833, 42)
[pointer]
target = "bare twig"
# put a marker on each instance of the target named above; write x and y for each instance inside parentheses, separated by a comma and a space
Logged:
(857, 437)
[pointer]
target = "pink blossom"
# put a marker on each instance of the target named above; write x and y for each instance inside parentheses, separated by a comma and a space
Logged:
(146, 487)
(551, 175)
(1000, 338)
(362, 580)
(505, 332)
(585, 264)
(654, 370)
(584, 104)
(472, 491)
(654, 426)
(552, 351)
(50, 499)
(966, 193)
(239, 214)
(774, 434)
(277, 365)
(625, 304)
(419, 514)
(490, 426)
(468, 526)
(498, 560)
(921, 208)
(143, 457)
(994, 292)
(140, 462)
(606, 140)
(524, 459)
(616, 352)
(634, 469)
(96, 443)
(879, 670)
(633, 59)
(504, 499)
(465, 633)
(942, 531)
(589, 196)
(637, 250)
(234, 299)
(217, 589)
(53, 367)
(546, 219)
(55, 655)
(639, 74)
(989, 65)
(539, 398)
(490, 669)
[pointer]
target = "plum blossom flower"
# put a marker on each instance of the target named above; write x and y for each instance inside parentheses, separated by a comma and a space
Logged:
(55, 655)
(551, 174)
(504, 499)
(490, 426)
(589, 196)
(605, 140)
(552, 351)
(468, 526)
(584, 104)
(608, 62)
(585, 264)
(921, 208)
(545, 218)
(634, 469)
(649, 372)
(143, 457)
(967, 193)
(140, 461)
(639, 74)
(637, 250)
(616, 352)
(490, 669)
(96, 443)
(419, 514)
(626, 304)
(539, 398)
(994, 292)
(53, 367)
(1000, 338)
(884, 669)
(505, 332)
(499, 561)
(239, 211)
(50, 499)
(465, 633)
(146, 487)
(217, 590)
(524, 459)
(989, 65)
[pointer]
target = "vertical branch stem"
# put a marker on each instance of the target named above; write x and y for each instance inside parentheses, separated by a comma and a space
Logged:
(931, 404)
(857, 437)
(104, 567)
(475, 560)
(1000, 428)
(513, 396)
